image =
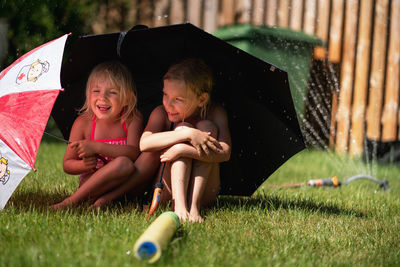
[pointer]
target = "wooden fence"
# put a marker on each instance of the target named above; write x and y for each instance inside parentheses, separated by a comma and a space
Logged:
(358, 67)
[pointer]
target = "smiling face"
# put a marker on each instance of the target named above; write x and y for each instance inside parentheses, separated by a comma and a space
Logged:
(179, 102)
(104, 98)
(34, 71)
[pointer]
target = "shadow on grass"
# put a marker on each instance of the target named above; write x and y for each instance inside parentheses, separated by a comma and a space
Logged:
(274, 203)
(41, 201)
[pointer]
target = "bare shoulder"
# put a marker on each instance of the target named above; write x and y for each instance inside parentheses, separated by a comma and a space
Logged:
(217, 112)
(82, 119)
(219, 116)
(81, 128)
(159, 111)
(136, 119)
(158, 120)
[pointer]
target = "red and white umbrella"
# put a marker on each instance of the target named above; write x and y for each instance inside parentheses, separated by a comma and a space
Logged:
(28, 90)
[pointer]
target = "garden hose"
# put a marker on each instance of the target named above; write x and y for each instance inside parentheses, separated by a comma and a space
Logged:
(384, 183)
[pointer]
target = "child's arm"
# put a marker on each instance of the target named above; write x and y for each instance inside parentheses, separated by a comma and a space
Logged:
(155, 137)
(87, 148)
(72, 164)
(220, 155)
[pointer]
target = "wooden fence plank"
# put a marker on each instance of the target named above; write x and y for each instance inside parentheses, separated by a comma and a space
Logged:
(194, 12)
(309, 16)
(177, 14)
(243, 10)
(346, 77)
(361, 78)
(334, 107)
(334, 51)
(161, 13)
(335, 40)
(322, 28)
(296, 16)
(227, 13)
(391, 106)
(258, 12)
(270, 19)
(283, 13)
(374, 109)
(146, 15)
(210, 15)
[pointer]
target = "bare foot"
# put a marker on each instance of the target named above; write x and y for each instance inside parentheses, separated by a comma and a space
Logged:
(194, 216)
(65, 204)
(100, 203)
(182, 214)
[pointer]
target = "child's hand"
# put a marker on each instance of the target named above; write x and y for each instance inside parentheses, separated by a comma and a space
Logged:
(90, 162)
(203, 142)
(172, 153)
(84, 148)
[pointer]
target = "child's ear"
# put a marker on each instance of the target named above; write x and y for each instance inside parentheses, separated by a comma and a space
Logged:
(204, 97)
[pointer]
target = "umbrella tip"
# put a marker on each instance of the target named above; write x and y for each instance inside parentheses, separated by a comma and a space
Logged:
(139, 27)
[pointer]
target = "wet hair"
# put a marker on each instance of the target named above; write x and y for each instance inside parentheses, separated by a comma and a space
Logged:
(121, 79)
(196, 75)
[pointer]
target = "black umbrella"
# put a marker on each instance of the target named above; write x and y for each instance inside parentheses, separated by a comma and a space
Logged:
(262, 119)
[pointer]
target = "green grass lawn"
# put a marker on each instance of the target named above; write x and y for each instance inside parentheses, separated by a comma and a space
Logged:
(356, 224)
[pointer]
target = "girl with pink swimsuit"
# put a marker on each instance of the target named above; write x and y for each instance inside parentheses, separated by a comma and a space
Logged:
(104, 148)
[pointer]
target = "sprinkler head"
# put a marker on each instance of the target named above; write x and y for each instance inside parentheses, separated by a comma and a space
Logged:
(384, 184)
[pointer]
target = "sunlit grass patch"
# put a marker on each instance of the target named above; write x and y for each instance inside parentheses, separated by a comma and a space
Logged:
(355, 224)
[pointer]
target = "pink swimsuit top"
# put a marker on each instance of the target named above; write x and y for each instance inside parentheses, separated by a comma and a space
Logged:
(114, 141)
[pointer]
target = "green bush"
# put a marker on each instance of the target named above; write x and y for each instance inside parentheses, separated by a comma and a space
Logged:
(32, 23)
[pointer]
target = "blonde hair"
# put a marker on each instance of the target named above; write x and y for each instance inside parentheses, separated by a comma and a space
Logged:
(4, 161)
(120, 78)
(196, 75)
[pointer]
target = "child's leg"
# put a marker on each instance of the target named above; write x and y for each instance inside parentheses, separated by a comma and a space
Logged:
(203, 188)
(205, 181)
(176, 180)
(180, 174)
(146, 166)
(103, 180)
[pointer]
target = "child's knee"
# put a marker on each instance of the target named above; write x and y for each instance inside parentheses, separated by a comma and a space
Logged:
(198, 164)
(208, 126)
(124, 165)
(181, 125)
(148, 162)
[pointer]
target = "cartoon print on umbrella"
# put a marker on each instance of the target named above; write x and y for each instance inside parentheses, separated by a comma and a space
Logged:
(30, 73)
(28, 90)
(4, 172)
(262, 119)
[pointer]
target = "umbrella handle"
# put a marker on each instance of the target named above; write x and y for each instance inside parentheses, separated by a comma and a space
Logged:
(156, 199)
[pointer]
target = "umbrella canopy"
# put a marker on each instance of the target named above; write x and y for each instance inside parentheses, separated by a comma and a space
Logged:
(28, 90)
(262, 119)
